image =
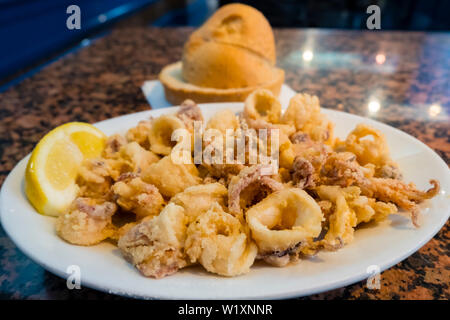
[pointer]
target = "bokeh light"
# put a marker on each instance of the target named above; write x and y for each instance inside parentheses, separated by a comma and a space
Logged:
(380, 58)
(373, 106)
(308, 55)
(434, 110)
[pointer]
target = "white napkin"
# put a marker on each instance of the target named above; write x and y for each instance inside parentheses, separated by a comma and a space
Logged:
(154, 93)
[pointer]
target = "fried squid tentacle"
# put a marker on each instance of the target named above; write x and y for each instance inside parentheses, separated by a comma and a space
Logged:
(303, 173)
(343, 170)
(406, 196)
(188, 113)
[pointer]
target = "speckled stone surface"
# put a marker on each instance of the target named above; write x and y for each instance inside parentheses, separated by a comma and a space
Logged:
(412, 87)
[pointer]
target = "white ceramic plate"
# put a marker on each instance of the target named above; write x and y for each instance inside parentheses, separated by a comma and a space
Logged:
(103, 268)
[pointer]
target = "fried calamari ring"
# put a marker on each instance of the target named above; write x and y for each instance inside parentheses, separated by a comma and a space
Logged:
(249, 178)
(262, 105)
(155, 246)
(368, 144)
(218, 241)
(283, 219)
(160, 135)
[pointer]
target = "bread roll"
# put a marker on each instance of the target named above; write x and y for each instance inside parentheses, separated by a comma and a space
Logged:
(228, 57)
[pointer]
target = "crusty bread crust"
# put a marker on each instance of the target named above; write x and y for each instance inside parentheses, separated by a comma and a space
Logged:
(228, 57)
(234, 48)
(240, 25)
(177, 90)
(225, 66)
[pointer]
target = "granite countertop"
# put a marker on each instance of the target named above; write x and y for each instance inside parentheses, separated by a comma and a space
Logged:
(407, 73)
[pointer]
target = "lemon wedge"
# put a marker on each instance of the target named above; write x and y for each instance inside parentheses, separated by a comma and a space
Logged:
(53, 166)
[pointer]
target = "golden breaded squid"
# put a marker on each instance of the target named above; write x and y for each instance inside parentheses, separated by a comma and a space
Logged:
(160, 135)
(262, 105)
(283, 219)
(218, 241)
(155, 246)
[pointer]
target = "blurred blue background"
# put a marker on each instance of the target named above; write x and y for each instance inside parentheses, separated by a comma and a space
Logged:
(33, 32)
(33, 29)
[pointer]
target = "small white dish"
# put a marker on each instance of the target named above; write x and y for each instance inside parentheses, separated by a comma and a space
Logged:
(102, 266)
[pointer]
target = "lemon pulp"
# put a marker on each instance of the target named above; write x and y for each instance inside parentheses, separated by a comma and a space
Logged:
(53, 166)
